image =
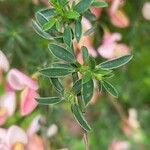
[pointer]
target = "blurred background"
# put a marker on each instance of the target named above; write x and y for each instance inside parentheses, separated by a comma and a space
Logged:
(118, 124)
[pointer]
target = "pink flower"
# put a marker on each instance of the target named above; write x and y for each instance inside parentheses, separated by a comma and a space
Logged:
(146, 10)
(27, 101)
(7, 106)
(18, 80)
(117, 16)
(15, 138)
(119, 145)
(4, 64)
(110, 48)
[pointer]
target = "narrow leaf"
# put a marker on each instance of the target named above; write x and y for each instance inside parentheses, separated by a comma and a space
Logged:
(61, 53)
(67, 66)
(40, 32)
(67, 37)
(100, 4)
(56, 83)
(86, 77)
(79, 117)
(56, 72)
(77, 87)
(78, 30)
(115, 63)
(87, 91)
(82, 6)
(48, 25)
(71, 14)
(110, 88)
(85, 54)
(48, 100)
(91, 63)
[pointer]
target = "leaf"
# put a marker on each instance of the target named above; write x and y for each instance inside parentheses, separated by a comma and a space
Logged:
(61, 53)
(85, 54)
(67, 36)
(56, 83)
(77, 87)
(48, 25)
(90, 16)
(78, 30)
(110, 88)
(89, 31)
(44, 15)
(87, 91)
(86, 77)
(115, 63)
(79, 117)
(56, 72)
(82, 6)
(40, 32)
(91, 63)
(67, 66)
(100, 86)
(48, 100)
(71, 14)
(100, 4)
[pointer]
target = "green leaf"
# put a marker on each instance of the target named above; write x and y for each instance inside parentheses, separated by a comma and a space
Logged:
(79, 117)
(55, 72)
(78, 30)
(56, 83)
(89, 31)
(82, 6)
(67, 66)
(77, 87)
(67, 37)
(115, 63)
(100, 4)
(48, 25)
(71, 14)
(91, 63)
(86, 77)
(110, 88)
(48, 100)
(85, 54)
(87, 91)
(40, 32)
(90, 16)
(44, 15)
(61, 53)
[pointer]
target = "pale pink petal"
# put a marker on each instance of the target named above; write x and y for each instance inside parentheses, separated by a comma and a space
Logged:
(4, 147)
(28, 102)
(119, 19)
(3, 133)
(96, 11)
(16, 135)
(34, 126)
(52, 130)
(35, 143)
(107, 51)
(3, 116)
(146, 10)
(8, 102)
(115, 5)
(4, 63)
(19, 80)
(86, 24)
(119, 145)
(79, 58)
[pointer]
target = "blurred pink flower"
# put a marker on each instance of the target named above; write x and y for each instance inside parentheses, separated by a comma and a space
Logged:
(110, 48)
(18, 80)
(117, 16)
(4, 63)
(15, 138)
(119, 145)
(7, 106)
(146, 10)
(27, 101)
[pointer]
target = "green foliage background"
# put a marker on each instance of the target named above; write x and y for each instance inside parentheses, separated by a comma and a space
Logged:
(28, 52)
